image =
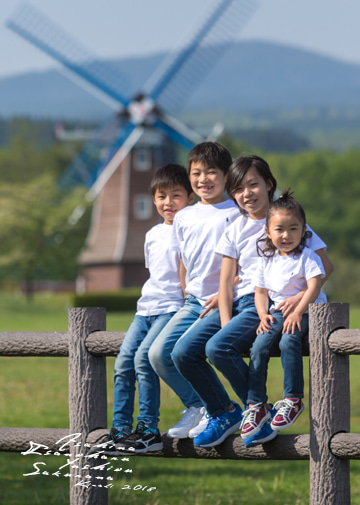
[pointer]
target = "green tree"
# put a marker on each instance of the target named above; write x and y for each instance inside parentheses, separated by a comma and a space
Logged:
(328, 186)
(36, 239)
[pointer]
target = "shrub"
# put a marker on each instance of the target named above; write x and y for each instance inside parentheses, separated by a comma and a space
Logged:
(116, 301)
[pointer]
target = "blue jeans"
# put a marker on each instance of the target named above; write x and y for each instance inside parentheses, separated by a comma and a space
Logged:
(291, 360)
(206, 339)
(161, 349)
(132, 363)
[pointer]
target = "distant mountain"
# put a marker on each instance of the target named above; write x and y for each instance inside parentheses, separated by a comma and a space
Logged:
(252, 76)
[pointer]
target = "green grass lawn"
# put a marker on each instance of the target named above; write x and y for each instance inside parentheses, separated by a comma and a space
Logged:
(33, 393)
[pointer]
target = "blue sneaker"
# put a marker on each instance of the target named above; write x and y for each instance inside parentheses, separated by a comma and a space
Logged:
(264, 435)
(219, 428)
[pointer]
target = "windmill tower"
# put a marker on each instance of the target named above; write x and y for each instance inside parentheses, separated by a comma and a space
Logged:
(118, 163)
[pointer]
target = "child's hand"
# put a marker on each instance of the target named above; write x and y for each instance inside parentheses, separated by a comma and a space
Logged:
(292, 322)
(290, 304)
(264, 324)
(210, 304)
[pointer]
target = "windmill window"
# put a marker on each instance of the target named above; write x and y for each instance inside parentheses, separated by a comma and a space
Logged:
(143, 207)
(142, 159)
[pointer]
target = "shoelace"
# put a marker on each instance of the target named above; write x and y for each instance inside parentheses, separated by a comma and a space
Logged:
(205, 418)
(140, 430)
(116, 435)
(187, 414)
(216, 421)
(284, 408)
(249, 415)
(213, 420)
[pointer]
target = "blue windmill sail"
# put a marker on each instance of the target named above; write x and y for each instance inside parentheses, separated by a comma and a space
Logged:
(165, 91)
(42, 32)
(180, 73)
(96, 152)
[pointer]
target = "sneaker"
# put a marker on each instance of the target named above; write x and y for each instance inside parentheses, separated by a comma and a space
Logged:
(287, 412)
(142, 439)
(106, 444)
(194, 432)
(253, 420)
(191, 418)
(219, 428)
(264, 435)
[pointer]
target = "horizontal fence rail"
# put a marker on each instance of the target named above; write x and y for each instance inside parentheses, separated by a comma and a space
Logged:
(328, 447)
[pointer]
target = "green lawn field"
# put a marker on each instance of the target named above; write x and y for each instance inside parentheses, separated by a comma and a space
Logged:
(34, 393)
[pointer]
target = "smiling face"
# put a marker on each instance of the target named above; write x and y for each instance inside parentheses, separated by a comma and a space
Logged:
(208, 183)
(285, 230)
(252, 195)
(169, 200)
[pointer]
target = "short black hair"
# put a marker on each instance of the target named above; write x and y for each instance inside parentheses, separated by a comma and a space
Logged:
(211, 154)
(240, 168)
(168, 176)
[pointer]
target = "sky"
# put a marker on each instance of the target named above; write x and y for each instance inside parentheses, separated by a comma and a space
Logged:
(120, 28)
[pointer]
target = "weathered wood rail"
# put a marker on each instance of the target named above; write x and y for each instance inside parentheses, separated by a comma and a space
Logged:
(329, 446)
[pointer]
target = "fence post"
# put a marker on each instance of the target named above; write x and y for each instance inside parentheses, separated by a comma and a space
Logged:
(329, 405)
(87, 398)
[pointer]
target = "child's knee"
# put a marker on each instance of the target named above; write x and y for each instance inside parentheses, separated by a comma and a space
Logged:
(289, 342)
(212, 351)
(181, 355)
(154, 355)
(159, 357)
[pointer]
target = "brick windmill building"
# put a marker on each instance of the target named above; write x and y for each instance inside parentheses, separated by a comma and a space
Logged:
(118, 163)
(113, 255)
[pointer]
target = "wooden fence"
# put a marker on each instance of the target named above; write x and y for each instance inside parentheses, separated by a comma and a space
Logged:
(329, 446)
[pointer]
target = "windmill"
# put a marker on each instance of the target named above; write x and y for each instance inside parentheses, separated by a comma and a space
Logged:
(117, 164)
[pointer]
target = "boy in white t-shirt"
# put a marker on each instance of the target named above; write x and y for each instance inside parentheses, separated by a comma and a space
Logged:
(196, 231)
(161, 297)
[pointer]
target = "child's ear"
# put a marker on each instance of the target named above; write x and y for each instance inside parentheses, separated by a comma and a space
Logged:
(191, 198)
(304, 231)
(269, 185)
(267, 232)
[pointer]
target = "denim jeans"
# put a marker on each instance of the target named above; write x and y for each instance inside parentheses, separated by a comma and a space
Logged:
(132, 363)
(206, 339)
(291, 360)
(161, 349)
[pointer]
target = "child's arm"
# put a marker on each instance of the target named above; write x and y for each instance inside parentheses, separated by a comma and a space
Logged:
(290, 304)
(327, 264)
(293, 320)
(226, 288)
(182, 275)
(262, 307)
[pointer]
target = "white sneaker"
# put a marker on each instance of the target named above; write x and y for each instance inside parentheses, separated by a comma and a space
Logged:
(194, 432)
(191, 418)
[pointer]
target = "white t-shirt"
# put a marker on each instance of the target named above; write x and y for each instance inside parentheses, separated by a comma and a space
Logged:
(239, 242)
(162, 292)
(196, 231)
(285, 276)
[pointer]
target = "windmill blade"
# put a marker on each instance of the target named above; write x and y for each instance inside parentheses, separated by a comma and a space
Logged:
(118, 153)
(132, 134)
(177, 77)
(177, 131)
(43, 33)
(94, 155)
